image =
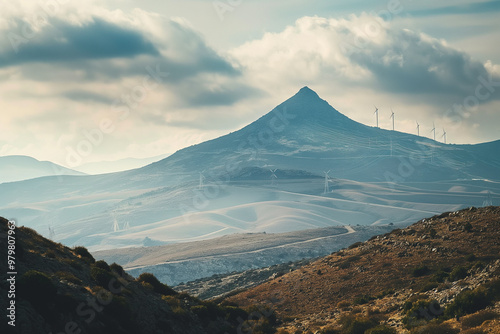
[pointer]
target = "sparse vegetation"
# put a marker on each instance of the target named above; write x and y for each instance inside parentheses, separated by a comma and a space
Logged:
(158, 287)
(476, 319)
(101, 277)
(421, 270)
(84, 253)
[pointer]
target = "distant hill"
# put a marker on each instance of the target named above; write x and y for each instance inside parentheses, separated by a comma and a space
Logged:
(446, 268)
(113, 166)
(63, 290)
(19, 167)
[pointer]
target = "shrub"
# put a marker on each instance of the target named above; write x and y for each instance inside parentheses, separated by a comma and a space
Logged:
(440, 276)
(478, 318)
(117, 269)
(36, 287)
(352, 324)
(360, 300)
(158, 287)
(429, 286)
(103, 265)
(433, 328)
(420, 311)
(467, 302)
(471, 258)
(234, 313)
(84, 253)
(458, 273)
(381, 329)
(421, 271)
(101, 277)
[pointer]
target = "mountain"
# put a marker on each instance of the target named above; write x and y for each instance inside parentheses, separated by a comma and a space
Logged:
(226, 186)
(19, 167)
(445, 268)
(62, 290)
(103, 167)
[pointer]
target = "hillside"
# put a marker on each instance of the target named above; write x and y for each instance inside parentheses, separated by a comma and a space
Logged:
(452, 259)
(59, 289)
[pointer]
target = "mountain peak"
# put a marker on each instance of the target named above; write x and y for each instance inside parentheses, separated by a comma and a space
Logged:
(306, 91)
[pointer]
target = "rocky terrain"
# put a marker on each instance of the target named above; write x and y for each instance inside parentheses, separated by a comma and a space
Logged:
(64, 290)
(431, 277)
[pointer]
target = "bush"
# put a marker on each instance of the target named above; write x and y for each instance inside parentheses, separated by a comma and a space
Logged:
(458, 273)
(421, 271)
(420, 311)
(103, 265)
(360, 300)
(101, 277)
(429, 286)
(478, 318)
(117, 269)
(158, 287)
(440, 276)
(382, 329)
(435, 329)
(471, 258)
(234, 313)
(36, 287)
(84, 253)
(468, 302)
(352, 324)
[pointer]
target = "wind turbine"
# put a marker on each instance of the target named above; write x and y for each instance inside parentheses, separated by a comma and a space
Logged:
(444, 135)
(116, 227)
(327, 179)
(392, 116)
(273, 176)
(488, 201)
(376, 112)
(418, 129)
(52, 234)
(434, 130)
(202, 178)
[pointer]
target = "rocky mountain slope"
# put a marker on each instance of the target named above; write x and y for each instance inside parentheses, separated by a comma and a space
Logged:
(63, 290)
(439, 275)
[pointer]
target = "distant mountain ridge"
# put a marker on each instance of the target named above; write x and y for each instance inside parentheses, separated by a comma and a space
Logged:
(19, 167)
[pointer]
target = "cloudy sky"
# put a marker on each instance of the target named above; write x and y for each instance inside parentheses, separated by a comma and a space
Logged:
(113, 79)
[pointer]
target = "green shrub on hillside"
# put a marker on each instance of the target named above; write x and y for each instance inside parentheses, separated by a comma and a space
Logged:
(101, 277)
(84, 253)
(458, 273)
(421, 271)
(158, 287)
(103, 265)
